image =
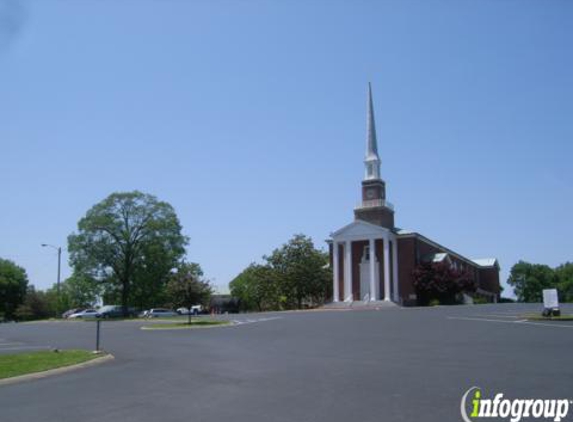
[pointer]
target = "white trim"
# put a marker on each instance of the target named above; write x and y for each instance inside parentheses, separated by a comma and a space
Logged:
(372, 246)
(335, 292)
(386, 270)
(348, 271)
(366, 230)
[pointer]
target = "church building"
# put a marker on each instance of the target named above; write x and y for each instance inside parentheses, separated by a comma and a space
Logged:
(373, 260)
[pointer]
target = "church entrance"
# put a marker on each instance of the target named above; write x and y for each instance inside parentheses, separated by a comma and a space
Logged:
(365, 293)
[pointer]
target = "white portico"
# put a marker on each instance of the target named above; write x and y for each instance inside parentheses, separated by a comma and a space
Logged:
(365, 263)
(365, 252)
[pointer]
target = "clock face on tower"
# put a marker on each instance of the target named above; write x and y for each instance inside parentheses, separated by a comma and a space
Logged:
(370, 193)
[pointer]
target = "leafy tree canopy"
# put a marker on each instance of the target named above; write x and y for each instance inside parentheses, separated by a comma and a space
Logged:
(37, 304)
(130, 242)
(256, 288)
(294, 275)
(80, 290)
(564, 274)
(529, 280)
(187, 287)
(302, 272)
(13, 284)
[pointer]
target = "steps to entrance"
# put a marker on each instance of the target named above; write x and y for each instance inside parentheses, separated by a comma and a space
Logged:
(360, 304)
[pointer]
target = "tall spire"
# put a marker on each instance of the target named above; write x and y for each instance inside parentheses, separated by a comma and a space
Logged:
(372, 160)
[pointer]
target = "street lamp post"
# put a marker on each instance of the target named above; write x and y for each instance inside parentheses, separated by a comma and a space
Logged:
(59, 249)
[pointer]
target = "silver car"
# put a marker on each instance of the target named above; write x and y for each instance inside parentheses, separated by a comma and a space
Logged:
(88, 313)
(160, 312)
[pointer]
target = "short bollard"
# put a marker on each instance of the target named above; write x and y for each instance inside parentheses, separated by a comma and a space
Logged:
(97, 335)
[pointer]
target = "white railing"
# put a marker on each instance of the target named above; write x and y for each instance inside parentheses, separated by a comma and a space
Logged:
(371, 203)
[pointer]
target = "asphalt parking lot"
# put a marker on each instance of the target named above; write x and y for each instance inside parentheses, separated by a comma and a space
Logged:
(387, 365)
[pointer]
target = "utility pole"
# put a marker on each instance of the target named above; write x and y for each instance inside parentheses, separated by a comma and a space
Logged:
(59, 249)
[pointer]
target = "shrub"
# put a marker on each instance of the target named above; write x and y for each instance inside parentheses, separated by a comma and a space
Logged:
(480, 300)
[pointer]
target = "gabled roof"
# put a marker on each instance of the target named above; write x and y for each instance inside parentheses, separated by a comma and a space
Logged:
(359, 228)
(488, 262)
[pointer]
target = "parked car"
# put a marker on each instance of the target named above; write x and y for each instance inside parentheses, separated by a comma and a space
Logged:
(195, 310)
(88, 313)
(111, 311)
(71, 312)
(160, 312)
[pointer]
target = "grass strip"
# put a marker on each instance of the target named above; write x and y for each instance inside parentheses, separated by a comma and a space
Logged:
(13, 365)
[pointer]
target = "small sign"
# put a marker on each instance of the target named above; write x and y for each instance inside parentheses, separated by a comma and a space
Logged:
(550, 299)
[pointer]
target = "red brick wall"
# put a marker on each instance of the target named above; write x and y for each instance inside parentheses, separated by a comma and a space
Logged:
(379, 216)
(489, 280)
(412, 250)
(406, 263)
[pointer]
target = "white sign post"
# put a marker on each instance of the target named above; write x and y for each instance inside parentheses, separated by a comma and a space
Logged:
(550, 299)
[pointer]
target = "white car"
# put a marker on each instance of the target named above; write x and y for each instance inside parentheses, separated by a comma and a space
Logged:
(160, 312)
(195, 310)
(88, 313)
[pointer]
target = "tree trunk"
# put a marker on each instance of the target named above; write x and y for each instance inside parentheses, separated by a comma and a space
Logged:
(124, 296)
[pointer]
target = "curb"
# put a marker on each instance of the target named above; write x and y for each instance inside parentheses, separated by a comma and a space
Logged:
(55, 371)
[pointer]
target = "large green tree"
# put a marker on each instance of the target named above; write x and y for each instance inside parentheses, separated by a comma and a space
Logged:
(293, 276)
(302, 272)
(152, 277)
(80, 290)
(37, 304)
(564, 274)
(529, 280)
(122, 237)
(256, 288)
(13, 284)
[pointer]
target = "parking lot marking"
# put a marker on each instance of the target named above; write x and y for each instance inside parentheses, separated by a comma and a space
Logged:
(482, 319)
(496, 316)
(252, 321)
(520, 322)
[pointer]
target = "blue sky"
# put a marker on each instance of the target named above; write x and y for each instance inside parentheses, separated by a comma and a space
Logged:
(249, 117)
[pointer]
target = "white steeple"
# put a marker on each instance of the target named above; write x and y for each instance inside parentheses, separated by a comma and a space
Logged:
(372, 160)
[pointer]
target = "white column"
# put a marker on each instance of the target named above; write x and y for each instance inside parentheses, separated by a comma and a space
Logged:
(335, 270)
(372, 269)
(395, 269)
(348, 271)
(386, 269)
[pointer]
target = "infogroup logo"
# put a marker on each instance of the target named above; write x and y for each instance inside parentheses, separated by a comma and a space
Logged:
(515, 410)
